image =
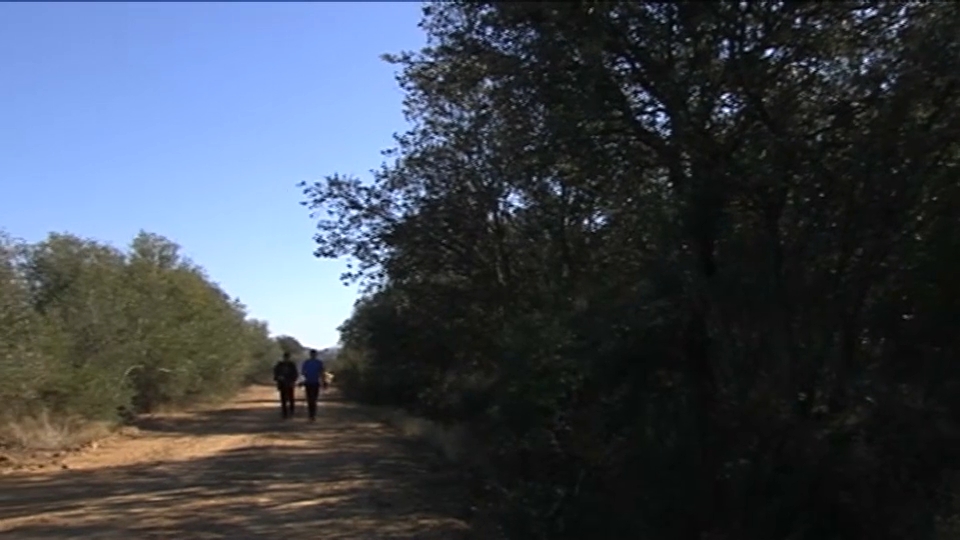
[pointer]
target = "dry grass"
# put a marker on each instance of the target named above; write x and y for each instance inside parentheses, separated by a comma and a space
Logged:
(451, 443)
(44, 432)
(455, 445)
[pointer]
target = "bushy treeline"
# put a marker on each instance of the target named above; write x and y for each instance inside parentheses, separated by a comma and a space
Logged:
(689, 269)
(89, 330)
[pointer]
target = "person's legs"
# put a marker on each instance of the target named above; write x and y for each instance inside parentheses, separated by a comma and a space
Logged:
(292, 398)
(283, 400)
(313, 392)
(286, 400)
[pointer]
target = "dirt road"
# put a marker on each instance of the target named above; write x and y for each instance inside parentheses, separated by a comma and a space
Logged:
(239, 471)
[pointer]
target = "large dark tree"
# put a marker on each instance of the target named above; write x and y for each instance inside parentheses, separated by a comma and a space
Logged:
(688, 267)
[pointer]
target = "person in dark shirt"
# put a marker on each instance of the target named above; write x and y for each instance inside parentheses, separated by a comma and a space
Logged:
(312, 370)
(285, 375)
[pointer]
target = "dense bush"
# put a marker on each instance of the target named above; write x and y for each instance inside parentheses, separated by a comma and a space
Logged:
(690, 268)
(88, 330)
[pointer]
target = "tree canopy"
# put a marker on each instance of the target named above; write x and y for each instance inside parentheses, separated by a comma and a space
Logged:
(688, 267)
(89, 330)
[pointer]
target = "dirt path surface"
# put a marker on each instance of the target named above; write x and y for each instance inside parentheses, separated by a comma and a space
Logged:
(239, 471)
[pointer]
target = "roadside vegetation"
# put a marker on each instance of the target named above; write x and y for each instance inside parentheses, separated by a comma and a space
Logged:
(91, 335)
(685, 270)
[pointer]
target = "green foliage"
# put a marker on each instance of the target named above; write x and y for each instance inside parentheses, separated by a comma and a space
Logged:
(88, 330)
(291, 345)
(689, 268)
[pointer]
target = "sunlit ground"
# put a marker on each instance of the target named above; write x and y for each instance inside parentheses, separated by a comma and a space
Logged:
(241, 472)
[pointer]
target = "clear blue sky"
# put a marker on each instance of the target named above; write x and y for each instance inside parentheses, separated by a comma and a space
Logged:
(195, 121)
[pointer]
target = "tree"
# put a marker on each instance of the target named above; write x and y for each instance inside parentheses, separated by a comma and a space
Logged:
(683, 265)
(89, 330)
(291, 345)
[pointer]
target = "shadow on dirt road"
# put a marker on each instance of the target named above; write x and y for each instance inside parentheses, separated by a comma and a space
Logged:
(343, 477)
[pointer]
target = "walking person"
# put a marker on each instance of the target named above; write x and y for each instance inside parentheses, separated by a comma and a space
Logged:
(285, 375)
(313, 376)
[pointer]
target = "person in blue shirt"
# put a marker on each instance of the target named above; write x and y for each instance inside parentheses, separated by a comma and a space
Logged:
(313, 376)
